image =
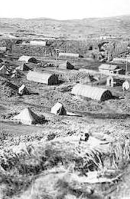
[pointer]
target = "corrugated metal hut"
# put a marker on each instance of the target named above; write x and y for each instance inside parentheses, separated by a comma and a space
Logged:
(27, 59)
(96, 93)
(120, 60)
(45, 78)
(76, 55)
(38, 43)
(66, 65)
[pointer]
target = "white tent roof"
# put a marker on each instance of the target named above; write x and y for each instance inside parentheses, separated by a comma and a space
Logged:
(108, 67)
(26, 116)
(26, 59)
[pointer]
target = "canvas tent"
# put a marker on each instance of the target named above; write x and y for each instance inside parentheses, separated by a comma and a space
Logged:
(58, 109)
(96, 93)
(23, 90)
(28, 117)
(27, 59)
(9, 89)
(3, 70)
(66, 65)
(45, 78)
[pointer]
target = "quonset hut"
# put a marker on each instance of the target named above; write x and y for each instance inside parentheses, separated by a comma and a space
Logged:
(45, 78)
(27, 59)
(66, 65)
(99, 94)
(38, 43)
(75, 55)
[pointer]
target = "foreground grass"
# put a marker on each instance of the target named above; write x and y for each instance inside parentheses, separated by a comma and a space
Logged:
(51, 167)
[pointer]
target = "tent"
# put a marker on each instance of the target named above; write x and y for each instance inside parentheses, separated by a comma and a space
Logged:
(45, 78)
(66, 65)
(23, 90)
(27, 59)
(96, 93)
(23, 67)
(3, 70)
(28, 117)
(58, 109)
(9, 89)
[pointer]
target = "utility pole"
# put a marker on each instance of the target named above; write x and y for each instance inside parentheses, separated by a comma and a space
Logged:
(57, 51)
(126, 67)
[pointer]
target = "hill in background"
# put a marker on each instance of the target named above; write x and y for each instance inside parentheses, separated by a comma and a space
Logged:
(70, 29)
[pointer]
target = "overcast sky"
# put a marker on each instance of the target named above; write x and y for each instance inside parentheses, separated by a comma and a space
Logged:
(63, 9)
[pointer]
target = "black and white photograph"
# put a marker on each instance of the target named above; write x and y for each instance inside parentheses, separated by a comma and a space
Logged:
(65, 99)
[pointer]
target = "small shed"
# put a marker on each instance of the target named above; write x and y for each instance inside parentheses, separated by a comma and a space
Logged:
(58, 109)
(27, 59)
(76, 55)
(108, 68)
(38, 43)
(96, 93)
(66, 65)
(45, 78)
(23, 90)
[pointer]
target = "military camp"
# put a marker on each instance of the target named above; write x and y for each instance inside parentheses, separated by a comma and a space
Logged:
(64, 103)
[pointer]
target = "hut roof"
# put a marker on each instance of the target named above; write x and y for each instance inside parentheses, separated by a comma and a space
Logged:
(69, 55)
(95, 93)
(108, 67)
(45, 78)
(66, 65)
(38, 43)
(27, 59)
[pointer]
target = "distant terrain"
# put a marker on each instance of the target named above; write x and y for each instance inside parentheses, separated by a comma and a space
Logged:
(72, 29)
